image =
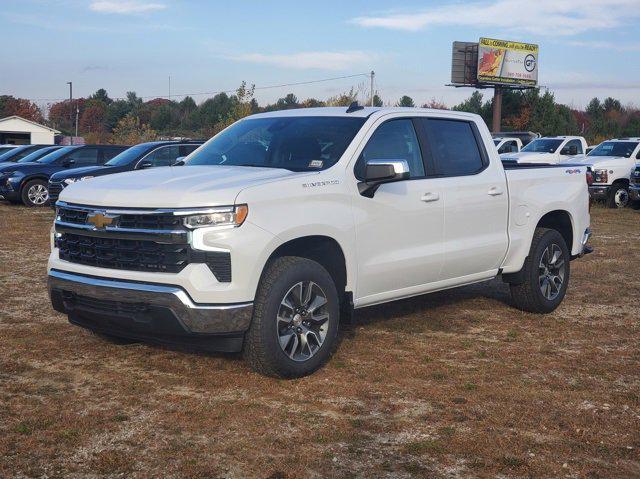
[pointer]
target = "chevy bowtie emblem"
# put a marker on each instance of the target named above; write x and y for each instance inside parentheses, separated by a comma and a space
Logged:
(100, 220)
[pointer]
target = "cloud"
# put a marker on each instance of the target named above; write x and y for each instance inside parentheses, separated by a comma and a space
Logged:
(125, 6)
(544, 17)
(308, 60)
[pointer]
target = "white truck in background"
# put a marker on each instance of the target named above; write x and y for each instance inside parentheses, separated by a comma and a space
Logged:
(271, 229)
(612, 165)
(506, 145)
(549, 150)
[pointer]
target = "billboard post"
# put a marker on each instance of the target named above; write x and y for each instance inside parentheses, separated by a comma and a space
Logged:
(498, 64)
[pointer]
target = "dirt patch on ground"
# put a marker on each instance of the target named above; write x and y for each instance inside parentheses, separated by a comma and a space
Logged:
(453, 384)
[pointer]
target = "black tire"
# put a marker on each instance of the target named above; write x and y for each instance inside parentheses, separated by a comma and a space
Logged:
(528, 295)
(24, 194)
(262, 348)
(618, 196)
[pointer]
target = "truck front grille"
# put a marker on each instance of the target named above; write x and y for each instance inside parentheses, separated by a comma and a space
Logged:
(160, 221)
(135, 255)
(55, 188)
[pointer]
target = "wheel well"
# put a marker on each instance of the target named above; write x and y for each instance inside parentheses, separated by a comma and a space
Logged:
(323, 250)
(624, 181)
(31, 178)
(561, 222)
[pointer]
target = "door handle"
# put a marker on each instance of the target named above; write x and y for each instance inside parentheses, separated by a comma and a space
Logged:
(428, 197)
(495, 191)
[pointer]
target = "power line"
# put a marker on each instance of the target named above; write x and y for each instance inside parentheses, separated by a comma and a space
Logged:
(267, 87)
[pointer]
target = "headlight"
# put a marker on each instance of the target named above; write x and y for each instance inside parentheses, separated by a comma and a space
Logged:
(69, 181)
(223, 216)
(600, 176)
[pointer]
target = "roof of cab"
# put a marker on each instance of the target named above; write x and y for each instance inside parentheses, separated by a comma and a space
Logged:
(341, 111)
(630, 138)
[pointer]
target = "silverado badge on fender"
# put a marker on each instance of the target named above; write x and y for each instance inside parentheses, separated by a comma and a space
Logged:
(100, 221)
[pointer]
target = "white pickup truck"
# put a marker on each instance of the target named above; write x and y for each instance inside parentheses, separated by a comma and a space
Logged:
(549, 150)
(612, 163)
(506, 145)
(285, 220)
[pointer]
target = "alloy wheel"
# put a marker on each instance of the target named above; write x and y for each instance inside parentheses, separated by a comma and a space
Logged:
(302, 321)
(551, 272)
(38, 194)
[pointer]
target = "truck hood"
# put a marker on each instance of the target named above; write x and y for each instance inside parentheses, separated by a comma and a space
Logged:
(171, 186)
(530, 157)
(604, 161)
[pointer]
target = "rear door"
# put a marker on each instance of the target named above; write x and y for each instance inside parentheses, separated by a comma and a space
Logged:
(475, 198)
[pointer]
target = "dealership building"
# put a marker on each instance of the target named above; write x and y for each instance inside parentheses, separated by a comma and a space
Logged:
(15, 130)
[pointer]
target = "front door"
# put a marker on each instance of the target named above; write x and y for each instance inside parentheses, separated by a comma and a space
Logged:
(399, 232)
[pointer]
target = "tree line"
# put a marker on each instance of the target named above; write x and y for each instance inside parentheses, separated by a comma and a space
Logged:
(102, 119)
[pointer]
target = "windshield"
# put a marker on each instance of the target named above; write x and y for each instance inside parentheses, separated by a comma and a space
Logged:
(7, 155)
(57, 154)
(543, 145)
(130, 154)
(294, 143)
(614, 148)
(38, 154)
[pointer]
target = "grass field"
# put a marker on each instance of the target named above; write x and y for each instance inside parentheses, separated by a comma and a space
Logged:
(453, 384)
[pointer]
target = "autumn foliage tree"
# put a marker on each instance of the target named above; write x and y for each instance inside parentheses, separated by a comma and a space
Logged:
(10, 106)
(130, 131)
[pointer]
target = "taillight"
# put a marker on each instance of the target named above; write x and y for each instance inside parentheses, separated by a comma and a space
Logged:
(589, 177)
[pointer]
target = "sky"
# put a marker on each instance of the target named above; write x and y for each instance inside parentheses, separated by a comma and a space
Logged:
(587, 48)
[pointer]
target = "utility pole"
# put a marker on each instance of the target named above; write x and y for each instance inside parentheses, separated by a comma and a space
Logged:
(373, 74)
(77, 113)
(497, 109)
(71, 104)
(169, 87)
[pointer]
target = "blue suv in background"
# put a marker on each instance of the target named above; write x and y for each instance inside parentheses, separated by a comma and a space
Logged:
(144, 155)
(27, 182)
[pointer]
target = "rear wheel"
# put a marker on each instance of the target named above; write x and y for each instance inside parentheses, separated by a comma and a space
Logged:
(295, 320)
(545, 273)
(35, 193)
(618, 196)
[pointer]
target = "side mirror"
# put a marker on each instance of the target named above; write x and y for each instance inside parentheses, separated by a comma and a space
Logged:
(144, 164)
(69, 162)
(378, 172)
(179, 161)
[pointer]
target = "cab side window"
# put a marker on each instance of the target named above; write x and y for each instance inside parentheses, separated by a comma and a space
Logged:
(164, 156)
(454, 147)
(508, 147)
(188, 149)
(393, 140)
(573, 147)
(84, 157)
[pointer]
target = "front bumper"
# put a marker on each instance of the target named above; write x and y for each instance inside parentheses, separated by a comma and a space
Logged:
(153, 312)
(634, 192)
(599, 192)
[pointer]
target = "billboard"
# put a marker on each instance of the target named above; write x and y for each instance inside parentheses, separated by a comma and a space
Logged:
(502, 62)
(464, 63)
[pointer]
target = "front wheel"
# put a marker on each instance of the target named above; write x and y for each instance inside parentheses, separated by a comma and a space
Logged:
(618, 196)
(35, 193)
(295, 319)
(545, 272)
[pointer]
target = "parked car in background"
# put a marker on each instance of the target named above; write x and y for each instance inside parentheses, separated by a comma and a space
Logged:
(27, 182)
(612, 163)
(507, 145)
(286, 218)
(37, 154)
(549, 150)
(5, 148)
(634, 183)
(590, 148)
(525, 137)
(19, 152)
(138, 157)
